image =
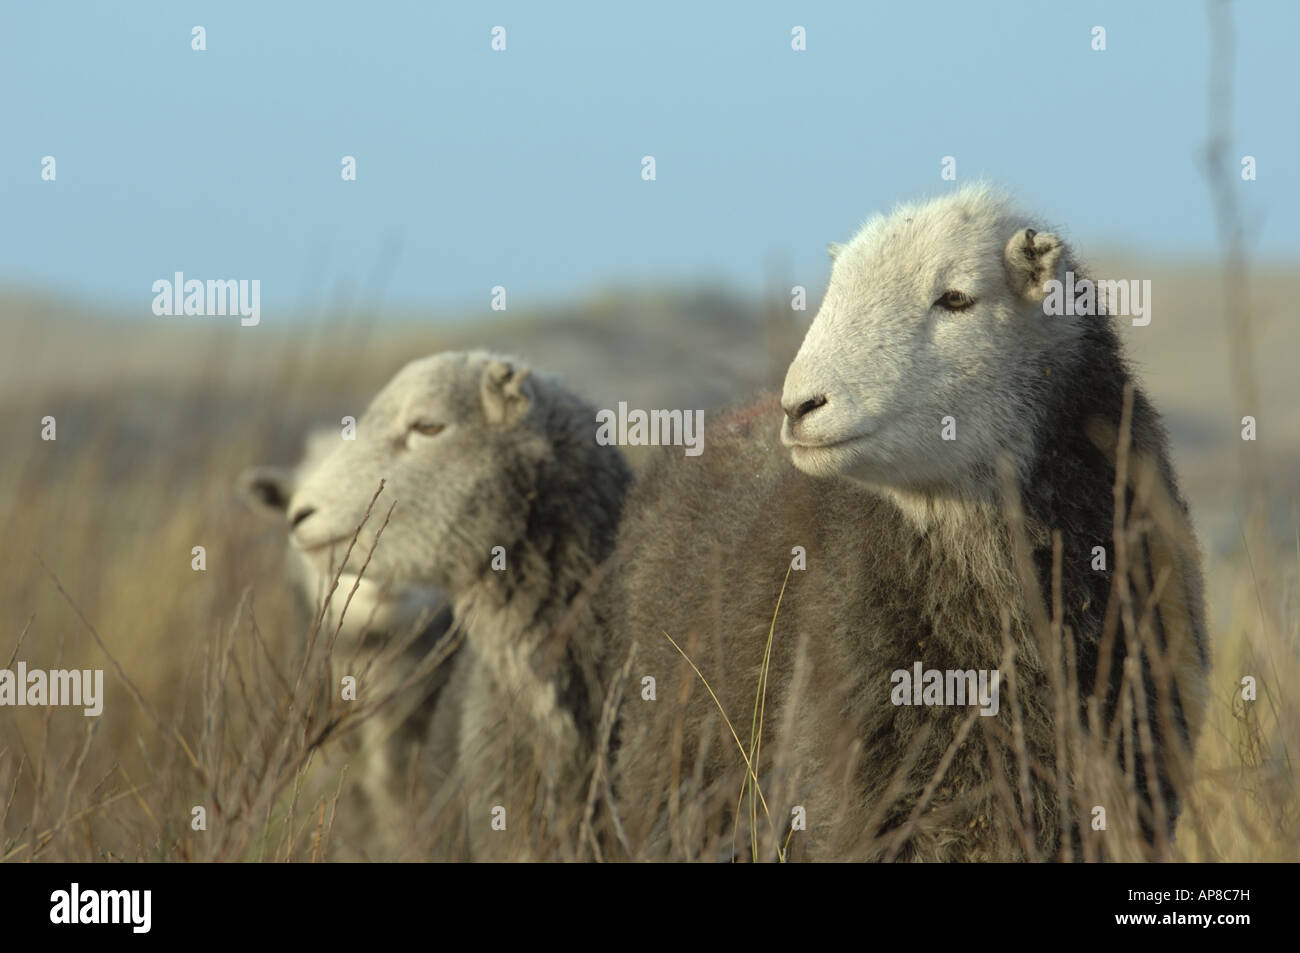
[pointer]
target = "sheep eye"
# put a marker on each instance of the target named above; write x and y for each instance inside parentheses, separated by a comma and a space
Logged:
(954, 301)
(426, 428)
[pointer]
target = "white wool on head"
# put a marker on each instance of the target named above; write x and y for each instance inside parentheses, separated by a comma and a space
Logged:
(885, 363)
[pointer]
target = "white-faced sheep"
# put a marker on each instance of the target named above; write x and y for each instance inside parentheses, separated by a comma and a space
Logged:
(386, 633)
(505, 502)
(941, 433)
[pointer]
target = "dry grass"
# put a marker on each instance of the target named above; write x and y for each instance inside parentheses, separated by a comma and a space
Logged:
(215, 691)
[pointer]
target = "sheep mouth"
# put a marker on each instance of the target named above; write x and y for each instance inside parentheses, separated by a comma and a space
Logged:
(796, 440)
(330, 556)
(831, 457)
(797, 445)
(314, 549)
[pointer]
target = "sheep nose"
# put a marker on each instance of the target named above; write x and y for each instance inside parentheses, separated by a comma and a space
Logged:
(798, 409)
(299, 515)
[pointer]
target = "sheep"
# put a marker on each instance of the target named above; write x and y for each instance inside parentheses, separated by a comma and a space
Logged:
(505, 502)
(939, 434)
(375, 819)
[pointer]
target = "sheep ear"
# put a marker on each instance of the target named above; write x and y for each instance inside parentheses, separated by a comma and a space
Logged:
(266, 490)
(507, 393)
(1033, 258)
(834, 249)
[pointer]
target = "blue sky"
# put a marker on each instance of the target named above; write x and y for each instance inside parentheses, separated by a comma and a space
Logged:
(523, 168)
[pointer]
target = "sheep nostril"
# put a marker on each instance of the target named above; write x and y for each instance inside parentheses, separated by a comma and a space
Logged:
(301, 514)
(805, 408)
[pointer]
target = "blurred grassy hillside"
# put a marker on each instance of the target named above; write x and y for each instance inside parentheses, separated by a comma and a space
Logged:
(157, 416)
